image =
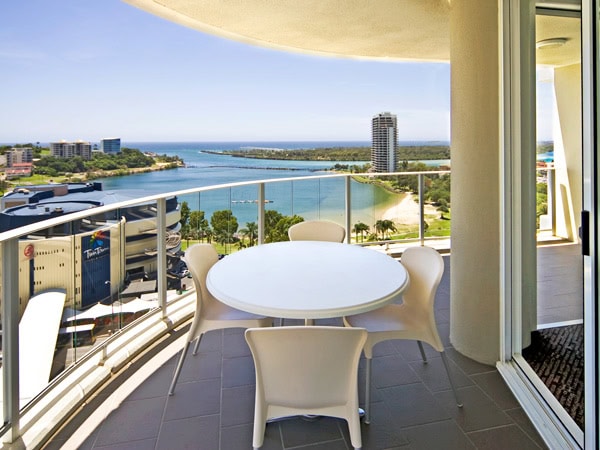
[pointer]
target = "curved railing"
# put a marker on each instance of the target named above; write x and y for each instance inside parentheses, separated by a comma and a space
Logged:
(114, 275)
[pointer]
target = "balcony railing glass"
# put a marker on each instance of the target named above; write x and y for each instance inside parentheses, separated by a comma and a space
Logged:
(123, 284)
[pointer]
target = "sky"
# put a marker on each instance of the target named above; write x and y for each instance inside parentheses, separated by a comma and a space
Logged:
(90, 69)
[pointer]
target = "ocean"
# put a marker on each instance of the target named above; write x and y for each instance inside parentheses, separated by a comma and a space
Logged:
(311, 199)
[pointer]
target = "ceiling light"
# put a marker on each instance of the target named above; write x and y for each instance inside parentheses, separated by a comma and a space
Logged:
(551, 43)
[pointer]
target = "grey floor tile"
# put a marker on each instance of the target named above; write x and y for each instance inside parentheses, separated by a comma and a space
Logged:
(413, 404)
(382, 433)
(521, 419)
(435, 377)
(237, 406)
(502, 438)
(211, 341)
(200, 398)
(134, 420)
(299, 432)
(391, 371)
(479, 411)
(202, 366)
(241, 437)
(238, 371)
(146, 444)
(495, 387)
(338, 444)
(156, 385)
(444, 435)
(409, 350)
(234, 343)
(190, 433)
(468, 365)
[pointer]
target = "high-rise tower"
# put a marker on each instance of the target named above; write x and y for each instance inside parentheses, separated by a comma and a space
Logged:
(384, 142)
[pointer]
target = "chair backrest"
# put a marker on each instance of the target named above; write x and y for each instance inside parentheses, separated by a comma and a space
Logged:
(199, 258)
(317, 230)
(303, 367)
(425, 268)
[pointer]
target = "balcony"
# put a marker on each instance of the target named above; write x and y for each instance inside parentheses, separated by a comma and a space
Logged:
(213, 405)
(113, 393)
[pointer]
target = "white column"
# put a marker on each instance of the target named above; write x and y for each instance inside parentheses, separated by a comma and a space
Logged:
(475, 116)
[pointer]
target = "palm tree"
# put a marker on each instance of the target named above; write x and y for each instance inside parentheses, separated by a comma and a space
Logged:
(384, 227)
(360, 228)
(250, 232)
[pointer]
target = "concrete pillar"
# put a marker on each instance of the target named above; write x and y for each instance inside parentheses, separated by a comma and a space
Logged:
(475, 116)
(567, 150)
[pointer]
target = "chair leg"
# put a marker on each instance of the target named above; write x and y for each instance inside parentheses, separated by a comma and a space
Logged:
(178, 368)
(354, 430)
(367, 418)
(456, 397)
(422, 352)
(196, 345)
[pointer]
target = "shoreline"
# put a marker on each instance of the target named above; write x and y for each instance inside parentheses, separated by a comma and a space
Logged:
(406, 211)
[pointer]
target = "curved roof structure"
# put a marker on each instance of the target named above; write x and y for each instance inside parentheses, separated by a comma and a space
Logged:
(385, 29)
(394, 30)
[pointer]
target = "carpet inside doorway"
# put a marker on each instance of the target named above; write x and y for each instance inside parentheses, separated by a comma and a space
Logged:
(556, 356)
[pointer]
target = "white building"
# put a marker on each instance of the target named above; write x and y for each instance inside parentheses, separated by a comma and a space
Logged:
(65, 149)
(19, 155)
(384, 142)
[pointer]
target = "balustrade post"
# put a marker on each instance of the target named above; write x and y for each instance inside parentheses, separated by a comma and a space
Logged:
(551, 198)
(161, 246)
(261, 213)
(10, 338)
(348, 208)
(421, 209)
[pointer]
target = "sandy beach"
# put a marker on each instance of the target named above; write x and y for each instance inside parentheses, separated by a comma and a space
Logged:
(406, 211)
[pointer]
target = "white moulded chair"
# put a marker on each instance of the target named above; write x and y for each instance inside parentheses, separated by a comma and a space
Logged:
(413, 319)
(317, 230)
(211, 314)
(306, 370)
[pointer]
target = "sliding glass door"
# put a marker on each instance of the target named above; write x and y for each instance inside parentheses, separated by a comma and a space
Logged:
(550, 179)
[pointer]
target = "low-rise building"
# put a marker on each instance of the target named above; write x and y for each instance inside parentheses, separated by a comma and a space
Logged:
(19, 155)
(64, 149)
(111, 146)
(86, 257)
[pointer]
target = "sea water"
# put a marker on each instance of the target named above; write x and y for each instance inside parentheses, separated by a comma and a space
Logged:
(311, 199)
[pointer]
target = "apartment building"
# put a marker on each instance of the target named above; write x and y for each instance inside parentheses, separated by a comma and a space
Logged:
(384, 145)
(65, 149)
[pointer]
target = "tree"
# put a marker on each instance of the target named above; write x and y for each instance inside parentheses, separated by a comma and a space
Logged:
(360, 228)
(185, 213)
(384, 226)
(277, 225)
(250, 232)
(224, 225)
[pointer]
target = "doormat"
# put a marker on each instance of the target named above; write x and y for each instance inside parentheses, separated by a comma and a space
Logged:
(556, 356)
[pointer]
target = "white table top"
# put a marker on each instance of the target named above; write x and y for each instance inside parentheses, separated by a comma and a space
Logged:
(307, 279)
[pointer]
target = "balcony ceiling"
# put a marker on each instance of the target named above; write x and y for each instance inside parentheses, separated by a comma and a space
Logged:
(551, 27)
(402, 30)
(385, 29)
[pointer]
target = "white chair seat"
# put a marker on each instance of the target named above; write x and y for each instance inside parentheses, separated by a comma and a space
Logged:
(211, 314)
(414, 319)
(306, 370)
(397, 319)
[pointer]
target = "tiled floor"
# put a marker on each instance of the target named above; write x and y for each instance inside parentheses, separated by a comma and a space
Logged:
(212, 408)
(563, 301)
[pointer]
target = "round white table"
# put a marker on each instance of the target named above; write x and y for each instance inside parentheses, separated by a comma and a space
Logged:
(307, 279)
